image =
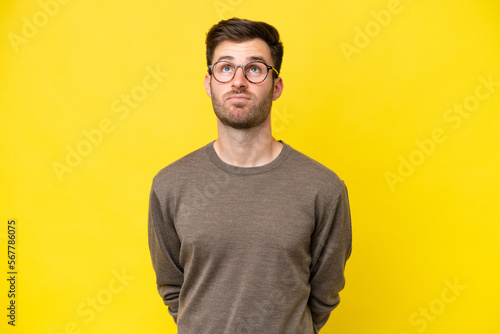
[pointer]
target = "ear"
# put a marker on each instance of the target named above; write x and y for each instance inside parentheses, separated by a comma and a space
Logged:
(207, 85)
(278, 88)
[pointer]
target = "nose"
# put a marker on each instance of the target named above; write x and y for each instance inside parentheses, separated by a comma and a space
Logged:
(239, 81)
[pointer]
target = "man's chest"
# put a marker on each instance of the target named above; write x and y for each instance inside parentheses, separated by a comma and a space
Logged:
(231, 218)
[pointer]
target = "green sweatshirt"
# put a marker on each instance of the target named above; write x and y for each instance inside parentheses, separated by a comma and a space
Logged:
(240, 250)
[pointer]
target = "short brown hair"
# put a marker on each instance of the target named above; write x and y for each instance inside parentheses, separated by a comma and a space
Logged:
(240, 30)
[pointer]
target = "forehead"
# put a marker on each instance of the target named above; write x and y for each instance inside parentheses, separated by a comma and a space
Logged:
(243, 51)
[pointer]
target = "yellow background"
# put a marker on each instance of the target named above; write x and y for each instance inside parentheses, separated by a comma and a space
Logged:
(360, 114)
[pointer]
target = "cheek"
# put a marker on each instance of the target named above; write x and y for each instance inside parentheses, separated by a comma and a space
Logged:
(268, 92)
(218, 89)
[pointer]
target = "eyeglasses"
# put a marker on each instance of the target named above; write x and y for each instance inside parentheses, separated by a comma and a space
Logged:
(254, 71)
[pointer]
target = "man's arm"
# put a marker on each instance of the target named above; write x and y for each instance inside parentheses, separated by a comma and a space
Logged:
(164, 246)
(330, 249)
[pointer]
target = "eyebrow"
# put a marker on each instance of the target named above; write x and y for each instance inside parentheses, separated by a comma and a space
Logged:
(252, 58)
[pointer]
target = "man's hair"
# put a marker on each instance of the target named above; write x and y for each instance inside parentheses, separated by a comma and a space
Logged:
(239, 30)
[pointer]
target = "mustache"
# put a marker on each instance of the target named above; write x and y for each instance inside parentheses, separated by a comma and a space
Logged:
(237, 92)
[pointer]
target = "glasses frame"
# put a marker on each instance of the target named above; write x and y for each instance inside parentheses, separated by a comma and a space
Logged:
(210, 67)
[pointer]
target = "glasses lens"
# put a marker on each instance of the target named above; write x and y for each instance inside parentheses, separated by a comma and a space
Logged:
(223, 71)
(255, 71)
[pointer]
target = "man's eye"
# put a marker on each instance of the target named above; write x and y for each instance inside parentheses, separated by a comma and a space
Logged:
(226, 68)
(254, 69)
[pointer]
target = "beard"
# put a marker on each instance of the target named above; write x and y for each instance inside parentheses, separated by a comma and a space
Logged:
(239, 115)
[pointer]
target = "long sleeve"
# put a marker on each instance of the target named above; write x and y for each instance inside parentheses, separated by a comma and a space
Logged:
(164, 246)
(330, 247)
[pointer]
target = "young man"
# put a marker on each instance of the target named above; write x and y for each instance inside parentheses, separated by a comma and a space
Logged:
(248, 235)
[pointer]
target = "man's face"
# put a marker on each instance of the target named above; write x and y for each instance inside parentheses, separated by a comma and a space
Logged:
(239, 103)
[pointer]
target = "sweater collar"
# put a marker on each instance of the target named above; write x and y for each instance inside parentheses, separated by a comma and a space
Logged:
(216, 160)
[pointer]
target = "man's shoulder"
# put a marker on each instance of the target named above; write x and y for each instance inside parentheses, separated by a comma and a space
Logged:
(314, 171)
(181, 166)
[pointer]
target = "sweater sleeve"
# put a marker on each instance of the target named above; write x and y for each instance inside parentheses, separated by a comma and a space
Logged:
(164, 246)
(330, 248)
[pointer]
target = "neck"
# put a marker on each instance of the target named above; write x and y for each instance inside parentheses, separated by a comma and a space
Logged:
(247, 148)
